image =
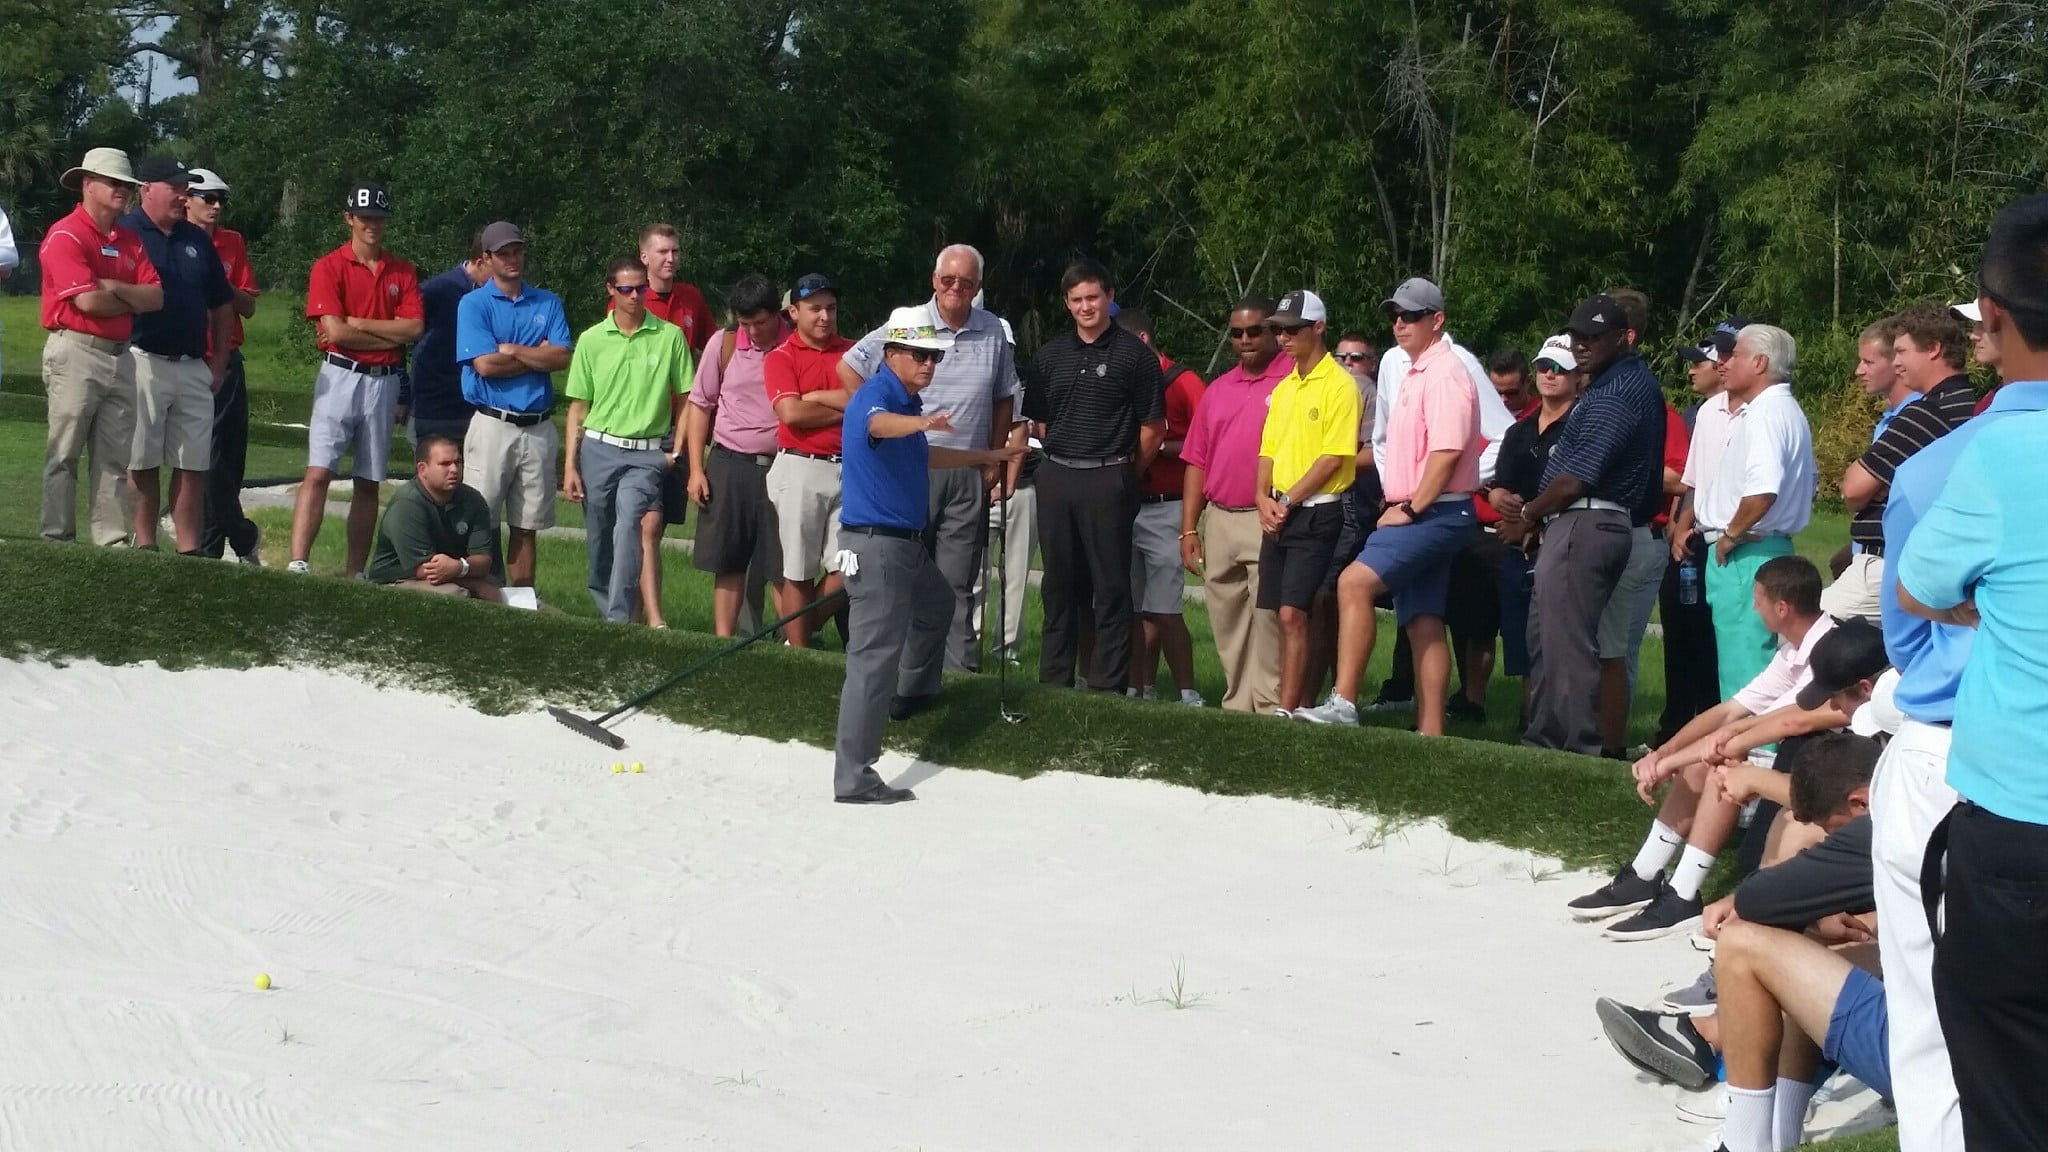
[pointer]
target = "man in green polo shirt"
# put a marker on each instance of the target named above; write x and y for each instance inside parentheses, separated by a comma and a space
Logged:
(437, 534)
(627, 370)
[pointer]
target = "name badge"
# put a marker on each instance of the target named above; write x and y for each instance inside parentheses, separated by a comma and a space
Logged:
(109, 251)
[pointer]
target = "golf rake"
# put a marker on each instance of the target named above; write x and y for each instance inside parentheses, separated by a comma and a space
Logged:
(594, 728)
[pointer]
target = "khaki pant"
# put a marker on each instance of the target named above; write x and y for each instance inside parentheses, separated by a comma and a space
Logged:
(91, 395)
(1247, 639)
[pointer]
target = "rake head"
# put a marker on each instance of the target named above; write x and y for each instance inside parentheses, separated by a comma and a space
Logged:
(586, 727)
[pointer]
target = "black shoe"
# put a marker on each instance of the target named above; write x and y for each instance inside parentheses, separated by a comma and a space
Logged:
(1620, 754)
(1667, 1047)
(1461, 707)
(904, 707)
(877, 794)
(1667, 913)
(1625, 893)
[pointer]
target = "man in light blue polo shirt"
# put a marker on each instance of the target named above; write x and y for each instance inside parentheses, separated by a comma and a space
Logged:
(976, 386)
(1977, 559)
(509, 335)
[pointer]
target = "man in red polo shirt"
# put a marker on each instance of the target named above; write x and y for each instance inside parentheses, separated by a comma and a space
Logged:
(802, 378)
(226, 525)
(1157, 586)
(681, 304)
(367, 305)
(96, 277)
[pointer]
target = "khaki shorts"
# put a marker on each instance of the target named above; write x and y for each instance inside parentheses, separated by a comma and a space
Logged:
(805, 495)
(1856, 591)
(1157, 585)
(515, 468)
(173, 413)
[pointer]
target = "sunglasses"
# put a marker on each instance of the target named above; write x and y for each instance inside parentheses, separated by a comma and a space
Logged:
(211, 197)
(958, 282)
(1251, 333)
(922, 355)
(629, 289)
(1352, 357)
(1287, 329)
(1549, 366)
(1413, 315)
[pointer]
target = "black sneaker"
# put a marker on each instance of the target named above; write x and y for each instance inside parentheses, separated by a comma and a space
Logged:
(1666, 914)
(1461, 707)
(878, 794)
(904, 707)
(1667, 1047)
(1625, 893)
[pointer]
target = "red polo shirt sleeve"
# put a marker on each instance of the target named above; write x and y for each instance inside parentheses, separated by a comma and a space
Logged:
(409, 305)
(67, 268)
(323, 289)
(1677, 446)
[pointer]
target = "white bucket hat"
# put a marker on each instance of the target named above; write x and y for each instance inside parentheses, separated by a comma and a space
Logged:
(912, 327)
(105, 163)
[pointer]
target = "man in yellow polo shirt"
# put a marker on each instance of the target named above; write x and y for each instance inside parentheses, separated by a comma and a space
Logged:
(623, 378)
(1307, 460)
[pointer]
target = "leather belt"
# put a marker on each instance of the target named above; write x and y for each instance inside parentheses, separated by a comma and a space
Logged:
(882, 530)
(516, 419)
(833, 459)
(167, 356)
(340, 361)
(1316, 500)
(1233, 507)
(1089, 461)
(758, 459)
(96, 343)
(1165, 499)
(629, 443)
(1593, 504)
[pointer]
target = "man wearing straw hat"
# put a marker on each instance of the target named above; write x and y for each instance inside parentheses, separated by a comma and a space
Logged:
(885, 489)
(96, 278)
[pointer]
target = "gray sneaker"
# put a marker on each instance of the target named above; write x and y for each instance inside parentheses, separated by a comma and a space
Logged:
(298, 567)
(1335, 710)
(1667, 1047)
(1695, 999)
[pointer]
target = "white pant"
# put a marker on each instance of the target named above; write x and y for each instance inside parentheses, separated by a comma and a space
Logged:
(1022, 518)
(1908, 797)
(1855, 592)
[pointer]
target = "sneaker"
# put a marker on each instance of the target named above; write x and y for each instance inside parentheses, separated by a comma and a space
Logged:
(1696, 998)
(299, 567)
(1701, 943)
(1709, 1107)
(1461, 707)
(1386, 703)
(1666, 914)
(1335, 710)
(1625, 893)
(1667, 1047)
(253, 556)
(1148, 692)
(1284, 714)
(1192, 699)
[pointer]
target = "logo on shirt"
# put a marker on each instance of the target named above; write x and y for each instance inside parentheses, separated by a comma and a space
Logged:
(191, 253)
(1102, 370)
(1314, 414)
(651, 358)
(109, 251)
(462, 525)
(391, 290)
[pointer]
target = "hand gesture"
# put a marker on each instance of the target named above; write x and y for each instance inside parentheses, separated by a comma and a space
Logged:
(1395, 516)
(1681, 543)
(572, 484)
(1717, 916)
(1650, 772)
(1724, 548)
(1842, 928)
(939, 422)
(1191, 553)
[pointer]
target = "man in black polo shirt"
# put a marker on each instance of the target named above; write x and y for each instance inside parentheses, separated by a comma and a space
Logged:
(174, 378)
(1603, 480)
(1097, 396)
(1927, 344)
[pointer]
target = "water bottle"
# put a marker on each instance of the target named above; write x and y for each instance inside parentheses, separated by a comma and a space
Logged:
(1688, 583)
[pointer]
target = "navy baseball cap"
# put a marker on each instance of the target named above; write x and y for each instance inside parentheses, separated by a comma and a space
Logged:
(163, 170)
(368, 199)
(811, 284)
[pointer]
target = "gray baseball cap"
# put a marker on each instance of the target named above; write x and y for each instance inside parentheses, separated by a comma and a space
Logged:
(500, 234)
(1415, 294)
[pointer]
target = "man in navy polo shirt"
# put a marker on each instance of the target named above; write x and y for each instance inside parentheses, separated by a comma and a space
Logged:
(885, 487)
(430, 399)
(174, 378)
(508, 336)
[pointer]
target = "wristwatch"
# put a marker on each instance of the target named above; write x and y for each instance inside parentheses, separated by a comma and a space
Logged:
(1286, 501)
(1408, 508)
(465, 567)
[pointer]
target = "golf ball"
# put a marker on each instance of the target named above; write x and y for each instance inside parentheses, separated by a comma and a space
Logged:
(639, 767)
(618, 767)
(262, 980)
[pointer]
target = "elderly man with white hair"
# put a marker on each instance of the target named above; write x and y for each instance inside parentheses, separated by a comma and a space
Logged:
(1757, 497)
(976, 386)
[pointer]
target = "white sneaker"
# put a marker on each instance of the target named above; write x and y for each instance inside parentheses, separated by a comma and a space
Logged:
(1192, 698)
(1283, 713)
(299, 567)
(1142, 693)
(1335, 710)
(1708, 1107)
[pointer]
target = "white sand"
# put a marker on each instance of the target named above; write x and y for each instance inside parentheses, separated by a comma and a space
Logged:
(483, 939)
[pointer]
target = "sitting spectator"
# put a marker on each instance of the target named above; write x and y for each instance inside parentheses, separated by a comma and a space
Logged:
(437, 534)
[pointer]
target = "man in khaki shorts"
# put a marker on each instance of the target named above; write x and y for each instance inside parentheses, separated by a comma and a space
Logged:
(509, 335)
(802, 378)
(96, 279)
(175, 377)
(366, 303)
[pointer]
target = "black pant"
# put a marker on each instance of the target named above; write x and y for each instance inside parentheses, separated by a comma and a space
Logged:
(225, 524)
(1991, 974)
(1085, 518)
(1692, 677)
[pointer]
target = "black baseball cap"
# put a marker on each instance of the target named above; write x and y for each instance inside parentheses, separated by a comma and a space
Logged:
(1725, 334)
(368, 199)
(163, 170)
(1853, 650)
(1597, 316)
(811, 284)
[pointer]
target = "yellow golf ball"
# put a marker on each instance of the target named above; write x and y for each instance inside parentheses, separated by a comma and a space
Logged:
(262, 980)
(639, 767)
(618, 767)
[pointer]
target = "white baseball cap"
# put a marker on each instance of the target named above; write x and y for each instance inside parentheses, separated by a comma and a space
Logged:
(1559, 349)
(912, 327)
(1300, 306)
(1968, 310)
(206, 180)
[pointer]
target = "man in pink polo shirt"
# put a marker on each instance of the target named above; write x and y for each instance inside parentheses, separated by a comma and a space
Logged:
(1431, 471)
(729, 410)
(96, 277)
(1222, 457)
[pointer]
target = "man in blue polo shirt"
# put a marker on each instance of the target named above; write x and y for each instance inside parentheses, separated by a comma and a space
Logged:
(1976, 559)
(508, 336)
(885, 486)
(430, 399)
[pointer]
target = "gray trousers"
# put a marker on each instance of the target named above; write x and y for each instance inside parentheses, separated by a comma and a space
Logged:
(619, 486)
(1582, 557)
(942, 629)
(880, 599)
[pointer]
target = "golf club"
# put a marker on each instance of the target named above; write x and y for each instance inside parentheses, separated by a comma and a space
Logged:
(1003, 617)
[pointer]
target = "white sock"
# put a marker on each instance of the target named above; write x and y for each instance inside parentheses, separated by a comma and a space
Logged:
(1657, 850)
(1788, 1122)
(1748, 1126)
(1692, 872)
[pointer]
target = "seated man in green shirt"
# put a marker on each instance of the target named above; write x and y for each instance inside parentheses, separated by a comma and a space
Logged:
(437, 534)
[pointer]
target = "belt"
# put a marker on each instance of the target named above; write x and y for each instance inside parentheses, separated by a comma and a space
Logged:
(1233, 507)
(1089, 461)
(168, 356)
(833, 459)
(1313, 501)
(629, 443)
(1593, 504)
(883, 530)
(1713, 536)
(516, 419)
(97, 343)
(340, 361)
(1163, 499)
(758, 459)
(1876, 550)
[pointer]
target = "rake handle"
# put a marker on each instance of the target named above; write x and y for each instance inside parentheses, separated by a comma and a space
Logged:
(721, 654)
